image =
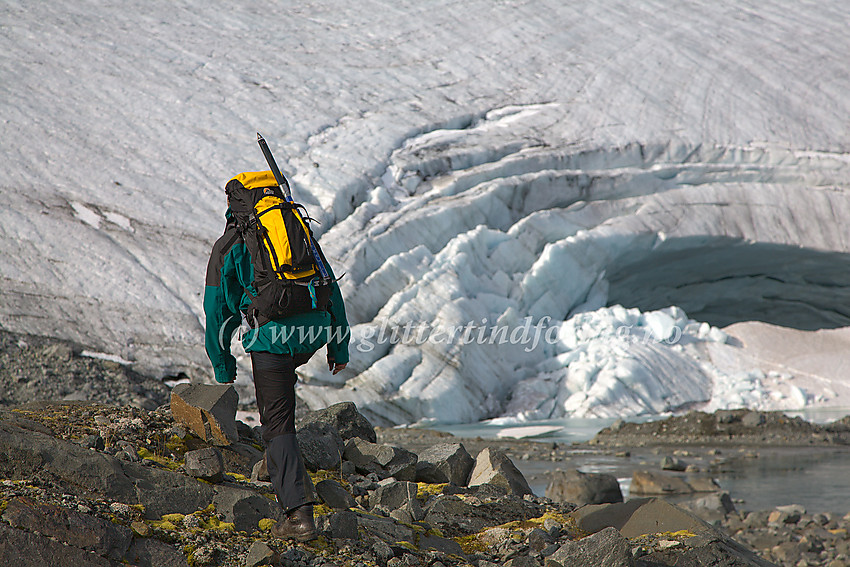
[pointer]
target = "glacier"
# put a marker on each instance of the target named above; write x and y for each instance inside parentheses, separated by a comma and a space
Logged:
(654, 193)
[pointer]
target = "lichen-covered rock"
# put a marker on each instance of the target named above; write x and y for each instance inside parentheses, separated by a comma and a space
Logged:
(209, 410)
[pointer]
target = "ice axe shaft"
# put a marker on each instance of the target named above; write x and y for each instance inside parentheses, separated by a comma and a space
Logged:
(278, 176)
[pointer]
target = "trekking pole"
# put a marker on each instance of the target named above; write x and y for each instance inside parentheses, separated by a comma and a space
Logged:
(284, 186)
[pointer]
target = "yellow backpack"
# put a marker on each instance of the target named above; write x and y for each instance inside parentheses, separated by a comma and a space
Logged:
(284, 254)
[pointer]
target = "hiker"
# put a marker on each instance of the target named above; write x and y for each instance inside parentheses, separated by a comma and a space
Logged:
(294, 314)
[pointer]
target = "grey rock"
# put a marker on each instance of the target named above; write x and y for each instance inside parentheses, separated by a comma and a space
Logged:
(260, 471)
(148, 552)
(93, 442)
(343, 525)
(385, 529)
(258, 554)
(606, 548)
(441, 545)
(753, 419)
(209, 410)
(334, 495)
(81, 539)
(538, 540)
(321, 445)
(446, 462)
(584, 488)
(392, 495)
(673, 464)
(456, 517)
(70, 527)
(382, 460)
(647, 482)
(245, 508)
(711, 508)
(241, 457)
(205, 464)
(494, 467)
(25, 454)
(345, 418)
(382, 551)
(522, 561)
(26, 549)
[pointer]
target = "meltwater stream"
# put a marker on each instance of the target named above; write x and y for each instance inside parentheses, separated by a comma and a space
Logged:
(817, 478)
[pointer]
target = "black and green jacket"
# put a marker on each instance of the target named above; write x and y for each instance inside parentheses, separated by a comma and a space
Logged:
(230, 277)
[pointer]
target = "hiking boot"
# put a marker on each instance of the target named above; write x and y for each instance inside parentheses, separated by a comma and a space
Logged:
(298, 525)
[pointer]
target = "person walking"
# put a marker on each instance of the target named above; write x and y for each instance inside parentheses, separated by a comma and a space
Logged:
(238, 281)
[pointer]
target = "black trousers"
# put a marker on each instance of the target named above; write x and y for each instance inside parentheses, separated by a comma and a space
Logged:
(274, 384)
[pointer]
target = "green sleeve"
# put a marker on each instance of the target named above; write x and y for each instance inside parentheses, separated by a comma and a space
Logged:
(340, 333)
(222, 296)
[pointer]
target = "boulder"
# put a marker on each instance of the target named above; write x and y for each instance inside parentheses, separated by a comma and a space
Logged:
(606, 548)
(343, 525)
(244, 508)
(26, 549)
(345, 418)
(712, 507)
(206, 464)
(455, 517)
(208, 410)
(392, 495)
(385, 529)
(321, 445)
(494, 467)
(646, 482)
(260, 554)
(584, 488)
(260, 471)
(28, 453)
(334, 495)
(79, 539)
(673, 464)
(154, 553)
(446, 462)
(73, 528)
(383, 460)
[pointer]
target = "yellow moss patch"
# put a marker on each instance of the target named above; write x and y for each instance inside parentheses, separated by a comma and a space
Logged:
(407, 545)
(3, 505)
(425, 490)
(435, 532)
(321, 475)
(167, 463)
(237, 476)
(139, 507)
(173, 518)
(215, 524)
(322, 510)
(471, 544)
(163, 524)
(266, 524)
(321, 543)
(176, 445)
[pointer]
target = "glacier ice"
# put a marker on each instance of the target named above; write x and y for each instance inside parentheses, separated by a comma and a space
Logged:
(576, 170)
